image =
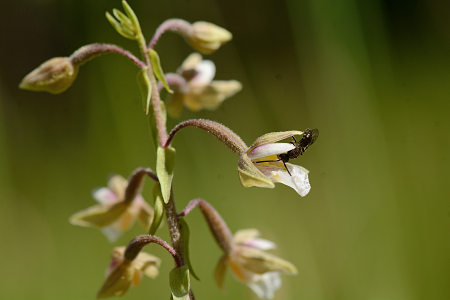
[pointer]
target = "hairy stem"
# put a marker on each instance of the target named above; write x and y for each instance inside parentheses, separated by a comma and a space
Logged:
(155, 98)
(175, 25)
(217, 225)
(136, 245)
(135, 183)
(88, 52)
(223, 133)
(174, 226)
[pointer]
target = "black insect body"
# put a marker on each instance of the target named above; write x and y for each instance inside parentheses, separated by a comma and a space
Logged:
(308, 138)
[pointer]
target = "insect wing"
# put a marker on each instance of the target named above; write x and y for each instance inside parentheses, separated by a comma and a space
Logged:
(314, 135)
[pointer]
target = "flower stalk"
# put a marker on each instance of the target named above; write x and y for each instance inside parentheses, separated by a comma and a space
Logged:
(88, 52)
(223, 133)
(136, 245)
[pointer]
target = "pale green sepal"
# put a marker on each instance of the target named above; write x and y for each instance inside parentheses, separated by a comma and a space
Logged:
(261, 262)
(130, 13)
(250, 175)
(100, 215)
(157, 69)
(180, 283)
(158, 207)
(219, 272)
(117, 283)
(124, 20)
(273, 137)
(146, 90)
(184, 229)
(165, 163)
(125, 32)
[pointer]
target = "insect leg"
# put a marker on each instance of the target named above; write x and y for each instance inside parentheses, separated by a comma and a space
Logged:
(263, 161)
(287, 169)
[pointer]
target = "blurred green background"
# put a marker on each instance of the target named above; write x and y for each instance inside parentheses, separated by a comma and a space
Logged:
(373, 76)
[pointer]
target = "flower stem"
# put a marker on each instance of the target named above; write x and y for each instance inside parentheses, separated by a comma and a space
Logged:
(155, 98)
(217, 225)
(88, 52)
(175, 25)
(174, 226)
(136, 245)
(135, 183)
(223, 133)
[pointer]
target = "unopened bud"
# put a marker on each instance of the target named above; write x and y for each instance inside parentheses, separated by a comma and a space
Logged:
(54, 76)
(206, 37)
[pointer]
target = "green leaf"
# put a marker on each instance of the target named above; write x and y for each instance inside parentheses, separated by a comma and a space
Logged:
(165, 162)
(146, 89)
(185, 237)
(125, 32)
(157, 69)
(180, 282)
(130, 13)
(158, 207)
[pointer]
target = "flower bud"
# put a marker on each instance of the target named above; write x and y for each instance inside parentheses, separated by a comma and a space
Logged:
(207, 37)
(54, 76)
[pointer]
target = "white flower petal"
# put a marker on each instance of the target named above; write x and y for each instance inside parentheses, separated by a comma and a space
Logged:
(104, 195)
(206, 70)
(261, 244)
(298, 180)
(265, 285)
(270, 149)
(277, 173)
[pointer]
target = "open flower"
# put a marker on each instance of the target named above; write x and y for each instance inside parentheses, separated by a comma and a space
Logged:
(250, 264)
(122, 273)
(114, 214)
(261, 166)
(200, 91)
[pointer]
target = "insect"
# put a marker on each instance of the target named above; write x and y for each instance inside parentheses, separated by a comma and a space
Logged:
(308, 138)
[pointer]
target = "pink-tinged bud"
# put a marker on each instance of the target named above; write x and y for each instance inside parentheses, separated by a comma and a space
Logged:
(54, 76)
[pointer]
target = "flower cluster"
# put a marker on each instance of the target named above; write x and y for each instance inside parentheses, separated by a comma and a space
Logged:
(263, 164)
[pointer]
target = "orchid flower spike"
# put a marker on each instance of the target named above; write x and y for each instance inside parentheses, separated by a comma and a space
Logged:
(200, 91)
(250, 264)
(123, 274)
(114, 215)
(260, 165)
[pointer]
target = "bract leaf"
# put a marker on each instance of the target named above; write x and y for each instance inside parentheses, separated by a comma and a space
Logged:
(158, 207)
(165, 163)
(180, 282)
(157, 69)
(146, 89)
(184, 229)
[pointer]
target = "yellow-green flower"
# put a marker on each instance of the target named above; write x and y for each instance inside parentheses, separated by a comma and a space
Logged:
(200, 91)
(260, 166)
(250, 264)
(114, 215)
(123, 274)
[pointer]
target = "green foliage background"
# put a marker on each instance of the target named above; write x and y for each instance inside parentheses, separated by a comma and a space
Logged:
(373, 76)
